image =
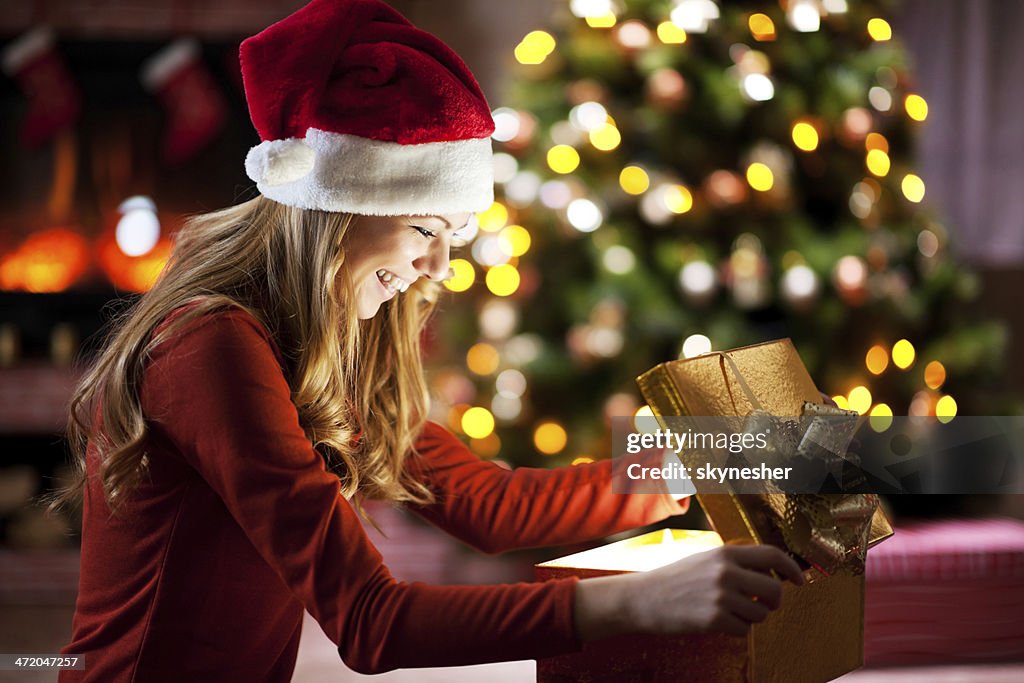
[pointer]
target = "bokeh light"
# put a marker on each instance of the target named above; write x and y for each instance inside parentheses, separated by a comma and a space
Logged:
(502, 280)
(877, 359)
(563, 159)
(550, 438)
(805, 136)
(934, 374)
(859, 399)
(477, 422)
(903, 354)
(463, 275)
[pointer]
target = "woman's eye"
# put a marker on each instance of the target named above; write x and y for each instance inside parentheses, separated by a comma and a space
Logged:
(423, 231)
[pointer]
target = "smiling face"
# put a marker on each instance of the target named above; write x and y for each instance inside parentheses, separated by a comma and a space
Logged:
(386, 254)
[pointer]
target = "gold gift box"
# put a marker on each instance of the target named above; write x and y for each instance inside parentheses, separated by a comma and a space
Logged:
(814, 636)
(817, 634)
(713, 385)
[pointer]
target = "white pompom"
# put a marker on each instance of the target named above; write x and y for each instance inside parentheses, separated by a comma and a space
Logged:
(276, 162)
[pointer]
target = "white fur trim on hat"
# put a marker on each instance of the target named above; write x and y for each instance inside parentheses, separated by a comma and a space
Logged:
(341, 172)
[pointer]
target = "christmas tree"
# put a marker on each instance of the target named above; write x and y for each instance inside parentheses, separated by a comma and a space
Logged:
(676, 177)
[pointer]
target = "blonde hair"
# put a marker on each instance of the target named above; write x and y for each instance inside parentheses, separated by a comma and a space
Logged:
(348, 377)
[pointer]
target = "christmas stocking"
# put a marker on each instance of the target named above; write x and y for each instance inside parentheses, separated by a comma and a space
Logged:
(54, 101)
(195, 107)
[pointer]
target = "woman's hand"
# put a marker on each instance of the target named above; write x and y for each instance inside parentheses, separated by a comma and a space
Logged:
(726, 589)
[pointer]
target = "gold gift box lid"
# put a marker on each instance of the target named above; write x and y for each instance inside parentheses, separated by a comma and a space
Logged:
(718, 384)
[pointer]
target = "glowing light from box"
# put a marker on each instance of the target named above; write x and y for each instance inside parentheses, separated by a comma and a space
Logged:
(515, 239)
(879, 29)
(670, 34)
(477, 422)
(634, 180)
(916, 106)
(934, 374)
(760, 177)
(696, 345)
(535, 47)
(878, 162)
(502, 280)
(805, 136)
(605, 138)
(550, 438)
(881, 417)
(913, 188)
(563, 159)
(903, 354)
(506, 124)
(642, 553)
(877, 359)
(945, 409)
(588, 116)
(584, 215)
(761, 27)
(482, 359)
(859, 399)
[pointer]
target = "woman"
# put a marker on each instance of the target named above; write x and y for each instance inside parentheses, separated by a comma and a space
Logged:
(271, 379)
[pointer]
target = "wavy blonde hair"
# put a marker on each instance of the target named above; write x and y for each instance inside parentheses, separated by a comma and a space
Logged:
(347, 376)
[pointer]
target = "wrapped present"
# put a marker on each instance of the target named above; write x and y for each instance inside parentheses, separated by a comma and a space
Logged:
(817, 634)
(831, 532)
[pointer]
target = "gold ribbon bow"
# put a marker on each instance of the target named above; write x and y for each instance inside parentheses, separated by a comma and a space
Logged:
(830, 532)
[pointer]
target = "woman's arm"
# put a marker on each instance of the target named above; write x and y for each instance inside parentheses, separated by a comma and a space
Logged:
(217, 393)
(495, 509)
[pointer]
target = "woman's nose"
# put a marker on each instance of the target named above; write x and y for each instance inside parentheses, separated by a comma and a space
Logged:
(434, 264)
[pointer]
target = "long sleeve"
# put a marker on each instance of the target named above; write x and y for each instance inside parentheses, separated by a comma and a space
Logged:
(495, 509)
(217, 393)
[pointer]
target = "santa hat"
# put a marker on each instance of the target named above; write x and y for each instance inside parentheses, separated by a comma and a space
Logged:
(360, 111)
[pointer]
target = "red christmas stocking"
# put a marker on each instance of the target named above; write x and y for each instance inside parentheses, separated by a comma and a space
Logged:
(54, 100)
(196, 111)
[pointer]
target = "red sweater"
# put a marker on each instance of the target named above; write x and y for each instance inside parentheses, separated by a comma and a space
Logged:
(204, 574)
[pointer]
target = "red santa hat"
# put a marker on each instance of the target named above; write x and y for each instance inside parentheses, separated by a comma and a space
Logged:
(360, 111)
